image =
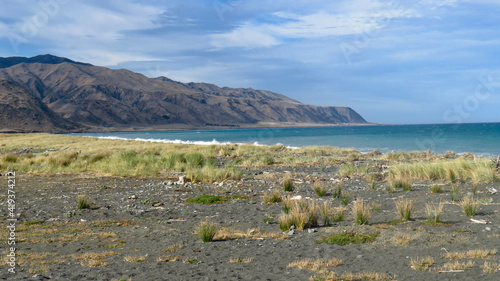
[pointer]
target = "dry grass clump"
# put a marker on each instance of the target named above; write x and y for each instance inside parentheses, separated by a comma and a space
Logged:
(469, 205)
(452, 266)
(471, 254)
(302, 214)
(456, 170)
(361, 212)
(272, 197)
(404, 208)
(135, 259)
(168, 258)
(403, 238)
(173, 248)
(238, 260)
(288, 183)
(93, 259)
(373, 276)
(326, 212)
(229, 234)
(320, 188)
(420, 263)
(490, 267)
(83, 202)
(207, 230)
(315, 265)
(433, 212)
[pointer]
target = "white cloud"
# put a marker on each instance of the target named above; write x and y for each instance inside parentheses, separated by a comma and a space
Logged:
(314, 25)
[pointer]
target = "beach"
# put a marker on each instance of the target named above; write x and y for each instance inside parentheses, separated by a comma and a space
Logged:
(144, 210)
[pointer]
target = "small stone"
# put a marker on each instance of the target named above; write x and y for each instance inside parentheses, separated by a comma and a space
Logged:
(133, 197)
(359, 256)
(170, 183)
(311, 230)
(291, 232)
(182, 179)
(488, 228)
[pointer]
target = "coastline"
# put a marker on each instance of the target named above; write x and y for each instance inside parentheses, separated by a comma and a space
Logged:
(140, 223)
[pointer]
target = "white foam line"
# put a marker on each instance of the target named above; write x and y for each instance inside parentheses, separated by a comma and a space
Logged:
(177, 141)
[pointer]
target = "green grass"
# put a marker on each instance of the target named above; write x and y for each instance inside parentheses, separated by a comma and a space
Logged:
(288, 184)
(348, 238)
(207, 199)
(469, 205)
(481, 170)
(207, 231)
(320, 189)
(272, 197)
(83, 202)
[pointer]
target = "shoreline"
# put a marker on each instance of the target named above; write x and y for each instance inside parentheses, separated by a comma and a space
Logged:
(145, 207)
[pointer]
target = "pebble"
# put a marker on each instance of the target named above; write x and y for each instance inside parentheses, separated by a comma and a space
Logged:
(311, 230)
(291, 232)
(488, 228)
(359, 256)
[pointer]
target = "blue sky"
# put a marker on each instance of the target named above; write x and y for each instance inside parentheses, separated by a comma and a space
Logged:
(421, 61)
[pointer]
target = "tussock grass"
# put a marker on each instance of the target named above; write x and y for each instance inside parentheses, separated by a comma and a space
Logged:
(457, 265)
(471, 254)
(348, 238)
(315, 265)
(230, 234)
(435, 188)
(478, 171)
(288, 183)
(272, 197)
(433, 212)
(83, 202)
(207, 231)
(420, 263)
(135, 259)
(404, 208)
(239, 260)
(372, 276)
(326, 212)
(302, 213)
(94, 259)
(320, 189)
(492, 267)
(469, 205)
(361, 212)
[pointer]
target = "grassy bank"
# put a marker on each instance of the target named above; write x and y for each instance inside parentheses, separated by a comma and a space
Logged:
(63, 154)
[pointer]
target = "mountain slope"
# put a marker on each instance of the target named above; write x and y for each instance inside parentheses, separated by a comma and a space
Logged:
(21, 112)
(99, 97)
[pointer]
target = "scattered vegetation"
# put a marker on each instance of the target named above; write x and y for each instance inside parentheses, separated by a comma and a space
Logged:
(207, 231)
(436, 188)
(207, 199)
(420, 263)
(83, 202)
(469, 205)
(320, 189)
(492, 267)
(288, 183)
(337, 191)
(361, 212)
(238, 260)
(433, 212)
(349, 238)
(272, 197)
(471, 254)
(404, 208)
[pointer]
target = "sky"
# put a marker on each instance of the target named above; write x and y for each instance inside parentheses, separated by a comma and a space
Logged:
(395, 62)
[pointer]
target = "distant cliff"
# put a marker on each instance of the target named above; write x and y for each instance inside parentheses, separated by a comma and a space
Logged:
(53, 94)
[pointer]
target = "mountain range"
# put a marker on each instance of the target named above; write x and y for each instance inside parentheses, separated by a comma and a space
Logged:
(53, 94)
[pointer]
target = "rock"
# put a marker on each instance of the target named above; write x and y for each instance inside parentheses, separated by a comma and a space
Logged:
(291, 232)
(488, 228)
(132, 197)
(182, 179)
(359, 256)
(311, 230)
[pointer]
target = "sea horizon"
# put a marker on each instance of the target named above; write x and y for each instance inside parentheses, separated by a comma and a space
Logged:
(478, 138)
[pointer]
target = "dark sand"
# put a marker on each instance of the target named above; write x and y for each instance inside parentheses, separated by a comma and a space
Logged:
(119, 222)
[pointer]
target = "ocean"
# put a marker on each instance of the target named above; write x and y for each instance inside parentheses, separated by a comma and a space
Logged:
(481, 138)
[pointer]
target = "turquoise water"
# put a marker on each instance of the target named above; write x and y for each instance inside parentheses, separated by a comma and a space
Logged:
(481, 139)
